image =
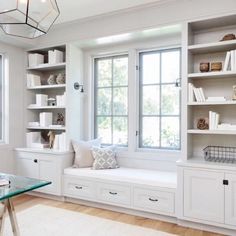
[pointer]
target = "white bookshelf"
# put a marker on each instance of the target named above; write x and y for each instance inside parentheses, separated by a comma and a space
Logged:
(211, 103)
(31, 107)
(213, 75)
(47, 128)
(224, 132)
(56, 86)
(48, 67)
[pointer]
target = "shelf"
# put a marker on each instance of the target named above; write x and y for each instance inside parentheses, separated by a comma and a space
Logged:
(46, 67)
(211, 103)
(45, 150)
(206, 75)
(47, 128)
(213, 47)
(48, 87)
(44, 107)
(225, 132)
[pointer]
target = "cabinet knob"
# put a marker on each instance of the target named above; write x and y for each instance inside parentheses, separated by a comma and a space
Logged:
(225, 182)
(78, 187)
(153, 200)
(113, 193)
(35, 161)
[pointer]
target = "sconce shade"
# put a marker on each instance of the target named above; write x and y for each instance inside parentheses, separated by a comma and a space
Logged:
(27, 18)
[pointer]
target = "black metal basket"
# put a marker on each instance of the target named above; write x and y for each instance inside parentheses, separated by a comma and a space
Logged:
(220, 154)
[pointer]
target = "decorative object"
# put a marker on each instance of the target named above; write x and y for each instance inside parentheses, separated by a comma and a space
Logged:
(234, 93)
(51, 80)
(83, 155)
(204, 66)
(60, 119)
(60, 79)
(28, 18)
(220, 154)
(104, 158)
(228, 37)
(52, 102)
(51, 136)
(203, 123)
(216, 66)
(78, 86)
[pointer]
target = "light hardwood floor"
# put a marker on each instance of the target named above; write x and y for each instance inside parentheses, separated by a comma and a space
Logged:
(26, 201)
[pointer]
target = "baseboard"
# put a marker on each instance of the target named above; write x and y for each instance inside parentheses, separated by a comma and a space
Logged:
(124, 210)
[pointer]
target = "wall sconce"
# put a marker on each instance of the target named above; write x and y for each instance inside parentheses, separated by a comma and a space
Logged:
(79, 87)
(178, 83)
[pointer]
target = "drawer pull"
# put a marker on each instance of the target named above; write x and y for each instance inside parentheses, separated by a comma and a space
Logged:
(153, 200)
(78, 187)
(35, 161)
(113, 193)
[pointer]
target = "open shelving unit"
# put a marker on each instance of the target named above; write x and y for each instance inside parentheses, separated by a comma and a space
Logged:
(203, 44)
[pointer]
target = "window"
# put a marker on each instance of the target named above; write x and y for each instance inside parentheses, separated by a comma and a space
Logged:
(159, 99)
(111, 99)
(1, 100)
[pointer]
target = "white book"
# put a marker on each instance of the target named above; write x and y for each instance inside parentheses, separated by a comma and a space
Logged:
(196, 95)
(213, 120)
(217, 120)
(210, 120)
(232, 61)
(56, 142)
(227, 59)
(45, 119)
(202, 94)
(190, 92)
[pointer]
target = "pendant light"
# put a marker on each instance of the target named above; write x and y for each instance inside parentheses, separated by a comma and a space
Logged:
(27, 18)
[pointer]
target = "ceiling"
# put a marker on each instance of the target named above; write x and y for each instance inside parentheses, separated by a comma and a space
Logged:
(79, 9)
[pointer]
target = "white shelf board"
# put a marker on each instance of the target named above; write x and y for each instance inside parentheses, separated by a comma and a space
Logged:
(46, 128)
(47, 87)
(212, 47)
(45, 107)
(225, 132)
(45, 150)
(206, 75)
(47, 66)
(211, 103)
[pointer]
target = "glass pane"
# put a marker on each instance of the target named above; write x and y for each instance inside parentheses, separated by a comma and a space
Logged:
(104, 72)
(120, 103)
(120, 71)
(170, 136)
(120, 131)
(151, 100)
(170, 100)
(170, 66)
(104, 129)
(150, 132)
(151, 68)
(104, 101)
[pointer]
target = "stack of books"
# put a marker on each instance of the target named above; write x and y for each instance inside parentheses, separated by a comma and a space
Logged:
(230, 61)
(213, 120)
(195, 94)
(60, 142)
(33, 80)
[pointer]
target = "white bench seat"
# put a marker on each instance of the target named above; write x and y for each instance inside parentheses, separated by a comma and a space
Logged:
(130, 175)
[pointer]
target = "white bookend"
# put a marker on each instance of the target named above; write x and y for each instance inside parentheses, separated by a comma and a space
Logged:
(202, 95)
(227, 60)
(232, 61)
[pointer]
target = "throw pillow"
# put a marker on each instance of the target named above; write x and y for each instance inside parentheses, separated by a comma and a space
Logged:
(104, 158)
(83, 155)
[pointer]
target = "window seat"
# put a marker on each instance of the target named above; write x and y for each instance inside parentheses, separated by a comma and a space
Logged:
(137, 189)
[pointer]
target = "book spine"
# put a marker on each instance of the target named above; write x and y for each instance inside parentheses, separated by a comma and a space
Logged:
(227, 59)
(232, 61)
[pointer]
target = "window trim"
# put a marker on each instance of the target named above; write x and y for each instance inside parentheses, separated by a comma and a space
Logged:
(95, 88)
(139, 145)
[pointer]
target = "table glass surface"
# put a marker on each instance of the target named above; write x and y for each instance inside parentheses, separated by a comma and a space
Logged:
(19, 185)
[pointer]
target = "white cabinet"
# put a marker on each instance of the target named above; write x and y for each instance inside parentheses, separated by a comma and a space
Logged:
(230, 199)
(45, 166)
(204, 195)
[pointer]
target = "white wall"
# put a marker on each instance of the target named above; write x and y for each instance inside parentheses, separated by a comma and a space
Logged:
(14, 105)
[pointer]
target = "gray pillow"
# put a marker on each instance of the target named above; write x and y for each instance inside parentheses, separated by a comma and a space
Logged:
(104, 158)
(83, 155)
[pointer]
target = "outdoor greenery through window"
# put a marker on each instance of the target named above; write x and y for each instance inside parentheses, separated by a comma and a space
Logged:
(1, 98)
(111, 99)
(159, 99)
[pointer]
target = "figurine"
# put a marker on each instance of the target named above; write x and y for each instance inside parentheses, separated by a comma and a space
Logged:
(51, 136)
(60, 119)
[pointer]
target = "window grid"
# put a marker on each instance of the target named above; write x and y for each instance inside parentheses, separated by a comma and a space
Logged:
(112, 87)
(160, 116)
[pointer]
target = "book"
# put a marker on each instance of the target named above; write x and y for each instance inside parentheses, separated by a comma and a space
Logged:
(190, 92)
(202, 94)
(227, 60)
(232, 61)
(4, 181)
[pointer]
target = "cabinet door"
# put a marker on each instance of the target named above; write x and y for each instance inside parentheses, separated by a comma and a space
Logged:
(230, 199)
(48, 172)
(204, 195)
(27, 167)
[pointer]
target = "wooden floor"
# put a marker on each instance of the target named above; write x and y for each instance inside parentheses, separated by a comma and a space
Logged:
(27, 201)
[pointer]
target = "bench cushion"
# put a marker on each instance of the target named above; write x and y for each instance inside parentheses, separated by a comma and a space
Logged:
(130, 175)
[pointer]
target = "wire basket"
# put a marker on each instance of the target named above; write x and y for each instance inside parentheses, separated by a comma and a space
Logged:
(220, 154)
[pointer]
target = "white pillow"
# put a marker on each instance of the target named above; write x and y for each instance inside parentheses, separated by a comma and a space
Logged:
(104, 158)
(83, 155)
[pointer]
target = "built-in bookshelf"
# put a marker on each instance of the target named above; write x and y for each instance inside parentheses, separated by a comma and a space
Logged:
(204, 44)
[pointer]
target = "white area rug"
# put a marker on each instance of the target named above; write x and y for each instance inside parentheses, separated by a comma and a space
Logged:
(42, 220)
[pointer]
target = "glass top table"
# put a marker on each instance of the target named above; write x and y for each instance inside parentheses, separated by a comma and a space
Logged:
(18, 185)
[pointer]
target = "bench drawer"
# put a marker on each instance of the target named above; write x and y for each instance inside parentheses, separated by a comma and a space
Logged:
(154, 200)
(112, 193)
(79, 188)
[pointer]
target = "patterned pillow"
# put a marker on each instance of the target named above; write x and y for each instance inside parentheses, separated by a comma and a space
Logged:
(104, 158)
